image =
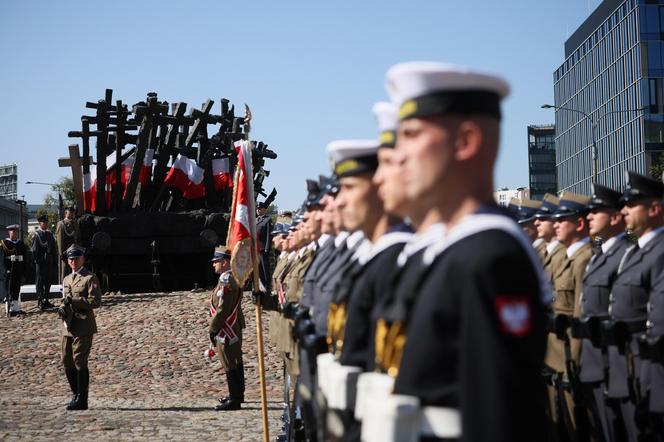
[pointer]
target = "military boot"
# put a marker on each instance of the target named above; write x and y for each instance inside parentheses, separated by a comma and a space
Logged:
(45, 304)
(81, 402)
(73, 385)
(240, 368)
(232, 401)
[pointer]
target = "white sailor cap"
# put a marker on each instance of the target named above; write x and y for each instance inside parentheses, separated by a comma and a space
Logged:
(352, 157)
(429, 88)
(386, 117)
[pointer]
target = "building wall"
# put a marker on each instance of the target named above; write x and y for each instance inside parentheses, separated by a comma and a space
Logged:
(616, 66)
(9, 214)
(541, 161)
(504, 195)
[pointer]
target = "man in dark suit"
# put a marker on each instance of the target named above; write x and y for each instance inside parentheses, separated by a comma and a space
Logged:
(14, 252)
(81, 295)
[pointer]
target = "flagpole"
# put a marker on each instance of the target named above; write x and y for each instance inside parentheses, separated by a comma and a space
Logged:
(256, 285)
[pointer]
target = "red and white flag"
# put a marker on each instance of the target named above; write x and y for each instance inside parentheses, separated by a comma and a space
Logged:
(242, 229)
(221, 173)
(146, 167)
(186, 176)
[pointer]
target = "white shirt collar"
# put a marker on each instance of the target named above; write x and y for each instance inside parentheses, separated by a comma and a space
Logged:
(323, 239)
(340, 238)
(645, 239)
(283, 254)
(292, 255)
(537, 242)
(354, 238)
(552, 246)
(571, 250)
(606, 245)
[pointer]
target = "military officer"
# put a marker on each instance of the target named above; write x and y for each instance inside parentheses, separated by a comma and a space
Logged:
(475, 338)
(553, 255)
(562, 355)
(606, 222)
(14, 253)
(527, 210)
(225, 328)
(81, 294)
(263, 229)
(639, 267)
(67, 232)
(46, 258)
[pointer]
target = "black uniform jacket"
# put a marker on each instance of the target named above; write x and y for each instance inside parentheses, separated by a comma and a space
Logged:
(362, 298)
(477, 332)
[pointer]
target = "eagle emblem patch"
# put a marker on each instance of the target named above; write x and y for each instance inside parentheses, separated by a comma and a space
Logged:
(514, 315)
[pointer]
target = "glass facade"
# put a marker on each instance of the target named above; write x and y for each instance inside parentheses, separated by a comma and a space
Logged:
(614, 67)
(541, 160)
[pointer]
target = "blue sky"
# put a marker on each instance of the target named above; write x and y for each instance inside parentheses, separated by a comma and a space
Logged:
(310, 70)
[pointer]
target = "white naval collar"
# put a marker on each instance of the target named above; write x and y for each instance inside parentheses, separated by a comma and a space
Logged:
(419, 241)
(340, 238)
(538, 242)
(645, 239)
(354, 238)
(552, 246)
(572, 249)
(389, 239)
(363, 252)
(606, 245)
(323, 239)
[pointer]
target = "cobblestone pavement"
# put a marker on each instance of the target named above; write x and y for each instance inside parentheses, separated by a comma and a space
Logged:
(149, 380)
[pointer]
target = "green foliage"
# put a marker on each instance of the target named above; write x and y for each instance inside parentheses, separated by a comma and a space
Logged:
(63, 188)
(657, 167)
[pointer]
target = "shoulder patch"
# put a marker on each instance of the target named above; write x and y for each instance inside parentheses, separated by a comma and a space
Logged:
(514, 314)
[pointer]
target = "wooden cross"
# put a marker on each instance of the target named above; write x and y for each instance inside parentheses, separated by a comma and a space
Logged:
(75, 162)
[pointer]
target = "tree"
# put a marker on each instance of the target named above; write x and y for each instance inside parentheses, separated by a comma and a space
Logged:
(64, 189)
(657, 167)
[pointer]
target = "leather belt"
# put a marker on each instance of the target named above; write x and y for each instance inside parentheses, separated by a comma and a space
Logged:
(619, 332)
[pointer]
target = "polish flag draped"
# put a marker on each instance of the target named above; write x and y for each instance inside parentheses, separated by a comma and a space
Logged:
(221, 173)
(187, 176)
(242, 227)
(90, 181)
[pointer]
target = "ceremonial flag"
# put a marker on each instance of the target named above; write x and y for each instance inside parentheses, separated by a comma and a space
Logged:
(146, 167)
(242, 228)
(186, 176)
(221, 173)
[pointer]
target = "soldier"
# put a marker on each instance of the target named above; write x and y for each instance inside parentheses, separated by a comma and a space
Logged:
(475, 337)
(263, 229)
(14, 252)
(562, 355)
(81, 295)
(605, 222)
(225, 329)
(527, 210)
(45, 256)
(553, 255)
(67, 232)
(639, 267)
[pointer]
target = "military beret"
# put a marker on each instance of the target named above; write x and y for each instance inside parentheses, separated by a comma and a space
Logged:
(641, 187)
(428, 88)
(220, 252)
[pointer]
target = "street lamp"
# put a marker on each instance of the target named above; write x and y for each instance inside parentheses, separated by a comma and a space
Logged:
(594, 122)
(60, 210)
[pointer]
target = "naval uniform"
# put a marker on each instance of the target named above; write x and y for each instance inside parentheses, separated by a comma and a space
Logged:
(15, 265)
(45, 256)
(639, 268)
(476, 334)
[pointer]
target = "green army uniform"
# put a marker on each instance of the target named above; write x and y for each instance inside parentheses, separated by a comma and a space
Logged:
(82, 293)
(67, 233)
